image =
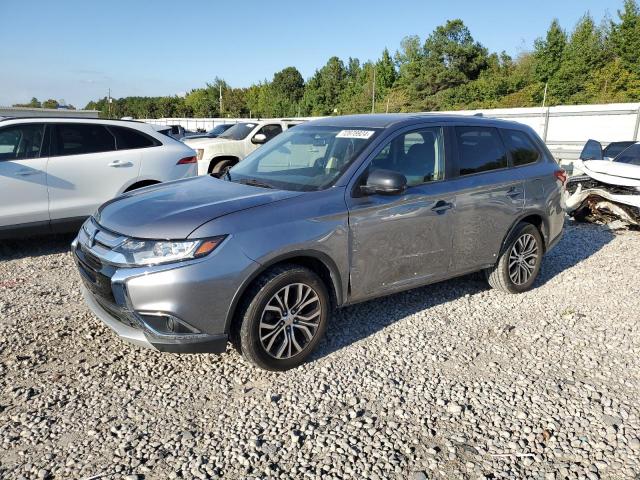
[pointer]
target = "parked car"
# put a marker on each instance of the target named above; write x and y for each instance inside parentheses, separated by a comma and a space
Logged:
(55, 172)
(330, 213)
(213, 133)
(593, 150)
(177, 132)
(217, 155)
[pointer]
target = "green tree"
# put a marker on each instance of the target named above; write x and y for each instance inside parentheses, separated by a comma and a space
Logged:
(51, 103)
(322, 95)
(583, 55)
(452, 57)
(34, 103)
(548, 52)
(625, 36)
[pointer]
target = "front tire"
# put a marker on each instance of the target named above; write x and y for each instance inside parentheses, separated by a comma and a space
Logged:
(519, 263)
(283, 317)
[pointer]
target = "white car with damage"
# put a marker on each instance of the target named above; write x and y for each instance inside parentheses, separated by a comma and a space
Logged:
(217, 155)
(607, 190)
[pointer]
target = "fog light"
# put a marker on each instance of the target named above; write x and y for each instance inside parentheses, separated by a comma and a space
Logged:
(164, 324)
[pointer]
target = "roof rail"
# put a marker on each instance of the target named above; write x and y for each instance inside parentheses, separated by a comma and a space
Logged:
(52, 117)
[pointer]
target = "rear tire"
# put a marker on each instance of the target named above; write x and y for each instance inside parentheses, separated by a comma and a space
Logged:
(519, 263)
(282, 318)
(222, 167)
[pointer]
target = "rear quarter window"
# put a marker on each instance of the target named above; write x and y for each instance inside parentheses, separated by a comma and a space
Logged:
(129, 139)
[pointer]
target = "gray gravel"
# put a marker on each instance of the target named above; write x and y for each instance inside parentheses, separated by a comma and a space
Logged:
(448, 381)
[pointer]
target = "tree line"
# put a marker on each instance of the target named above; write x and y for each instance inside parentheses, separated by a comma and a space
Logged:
(449, 70)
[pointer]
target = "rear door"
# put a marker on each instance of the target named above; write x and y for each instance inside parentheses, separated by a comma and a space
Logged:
(23, 180)
(489, 196)
(85, 169)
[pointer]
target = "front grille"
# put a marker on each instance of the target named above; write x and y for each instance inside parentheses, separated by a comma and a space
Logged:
(119, 314)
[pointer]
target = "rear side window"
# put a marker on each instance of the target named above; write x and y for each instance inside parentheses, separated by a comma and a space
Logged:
(78, 139)
(127, 138)
(480, 149)
(521, 147)
(20, 142)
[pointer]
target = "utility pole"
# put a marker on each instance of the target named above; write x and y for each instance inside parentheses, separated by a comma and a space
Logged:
(109, 102)
(221, 100)
(544, 98)
(373, 96)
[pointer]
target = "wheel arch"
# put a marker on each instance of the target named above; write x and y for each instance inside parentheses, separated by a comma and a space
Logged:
(220, 158)
(536, 218)
(318, 262)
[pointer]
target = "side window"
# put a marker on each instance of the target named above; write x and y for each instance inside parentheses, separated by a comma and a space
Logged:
(480, 150)
(631, 155)
(271, 131)
(522, 149)
(78, 139)
(20, 142)
(418, 155)
(127, 138)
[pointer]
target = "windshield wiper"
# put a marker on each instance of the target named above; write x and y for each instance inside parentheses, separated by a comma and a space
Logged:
(254, 183)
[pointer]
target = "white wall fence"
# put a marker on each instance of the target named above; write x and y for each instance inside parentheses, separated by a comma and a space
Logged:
(564, 128)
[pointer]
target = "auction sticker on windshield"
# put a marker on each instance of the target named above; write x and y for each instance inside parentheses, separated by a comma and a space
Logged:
(355, 134)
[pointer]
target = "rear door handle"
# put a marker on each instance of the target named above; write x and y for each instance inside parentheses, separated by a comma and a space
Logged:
(514, 192)
(119, 163)
(26, 172)
(441, 206)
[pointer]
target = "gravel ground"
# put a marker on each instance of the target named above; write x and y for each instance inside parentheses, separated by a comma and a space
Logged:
(448, 381)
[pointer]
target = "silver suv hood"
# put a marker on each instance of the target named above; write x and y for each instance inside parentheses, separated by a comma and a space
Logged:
(173, 210)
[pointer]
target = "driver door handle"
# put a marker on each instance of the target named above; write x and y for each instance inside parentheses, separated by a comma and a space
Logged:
(119, 163)
(441, 207)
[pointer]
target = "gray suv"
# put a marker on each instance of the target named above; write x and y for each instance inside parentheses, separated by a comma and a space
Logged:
(330, 213)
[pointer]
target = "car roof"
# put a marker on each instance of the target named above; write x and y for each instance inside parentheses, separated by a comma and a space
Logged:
(386, 120)
(145, 127)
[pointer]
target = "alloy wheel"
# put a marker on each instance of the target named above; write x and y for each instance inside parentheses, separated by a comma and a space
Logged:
(290, 320)
(523, 259)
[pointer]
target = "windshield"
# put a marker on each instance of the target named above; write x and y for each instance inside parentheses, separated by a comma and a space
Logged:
(217, 130)
(304, 158)
(239, 131)
(616, 148)
(630, 155)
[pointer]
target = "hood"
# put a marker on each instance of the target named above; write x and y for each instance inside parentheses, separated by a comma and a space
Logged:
(173, 210)
(202, 142)
(613, 173)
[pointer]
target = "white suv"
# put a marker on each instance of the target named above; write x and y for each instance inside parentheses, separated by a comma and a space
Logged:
(217, 155)
(54, 172)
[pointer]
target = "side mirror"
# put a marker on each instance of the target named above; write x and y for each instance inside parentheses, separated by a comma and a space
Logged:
(384, 182)
(259, 139)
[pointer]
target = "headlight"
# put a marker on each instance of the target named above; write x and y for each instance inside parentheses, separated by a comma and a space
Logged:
(152, 252)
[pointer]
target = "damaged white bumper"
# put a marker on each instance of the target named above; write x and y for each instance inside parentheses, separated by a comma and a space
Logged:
(601, 196)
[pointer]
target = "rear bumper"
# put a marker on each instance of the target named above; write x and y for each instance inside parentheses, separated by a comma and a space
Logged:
(124, 324)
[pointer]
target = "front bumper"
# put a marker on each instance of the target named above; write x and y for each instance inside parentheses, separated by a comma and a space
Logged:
(137, 335)
(197, 294)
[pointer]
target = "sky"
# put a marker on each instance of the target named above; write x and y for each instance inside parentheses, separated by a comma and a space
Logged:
(77, 49)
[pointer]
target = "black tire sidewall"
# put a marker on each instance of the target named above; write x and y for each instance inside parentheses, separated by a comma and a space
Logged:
(250, 328)
(532, 230)
(220, 166)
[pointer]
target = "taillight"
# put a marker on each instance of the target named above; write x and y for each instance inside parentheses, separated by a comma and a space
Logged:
(186, 160)
(561, 175)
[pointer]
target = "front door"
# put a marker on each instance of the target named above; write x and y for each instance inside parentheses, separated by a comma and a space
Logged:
(23, 178)
(403, 240)
(86, 169)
